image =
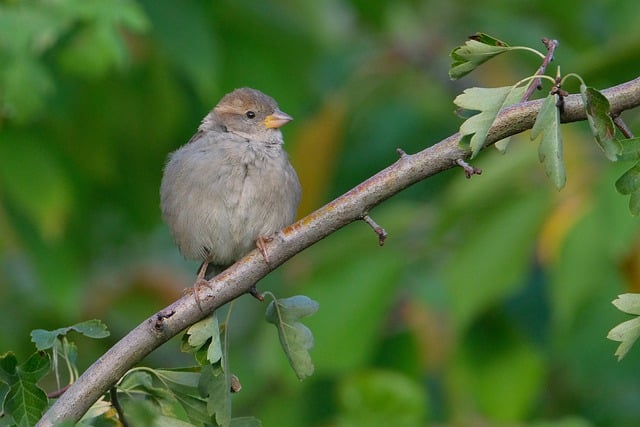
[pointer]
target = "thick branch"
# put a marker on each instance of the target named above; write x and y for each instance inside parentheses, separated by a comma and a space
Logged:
(351, 206)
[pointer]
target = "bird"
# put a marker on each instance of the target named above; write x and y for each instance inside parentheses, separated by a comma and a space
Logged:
(231, 186)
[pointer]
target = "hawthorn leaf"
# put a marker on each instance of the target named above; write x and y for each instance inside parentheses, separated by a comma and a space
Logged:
(630, 149)
(204, 335)
(629, 182)
(25, 402)
(476, 51)
(489, 102)
(547, 126)
(295, 338)
(214, 385)
(45, 340)
(597, 108)
(174, 391)
(628, 303)
(626, 333)
(514, 97)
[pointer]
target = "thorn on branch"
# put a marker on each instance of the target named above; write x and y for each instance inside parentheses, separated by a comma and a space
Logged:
(622, 126)
(551, 46)
(382, 234)
(469, 170)
(253, 291)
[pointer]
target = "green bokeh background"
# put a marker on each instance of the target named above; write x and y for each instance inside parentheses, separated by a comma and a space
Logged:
(488, 305)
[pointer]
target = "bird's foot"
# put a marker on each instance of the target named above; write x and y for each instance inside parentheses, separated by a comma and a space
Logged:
(200, 283)
(261, 244)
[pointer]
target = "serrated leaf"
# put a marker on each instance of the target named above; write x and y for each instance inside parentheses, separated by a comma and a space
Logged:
(630, 149)
(175, 391)
(628, 303)
(295, 338)
(204, 334)
(547, 126)
(598, 109)
(476, 51)
(627, 333)
(25, 402)
(45, 340)
(489, 102)
(514, 97)
(214, 385)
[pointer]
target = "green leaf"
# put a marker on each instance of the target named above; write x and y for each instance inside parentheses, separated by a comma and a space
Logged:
(25, 402)
(629, 182)
(627, 333)
(602, 127)
(175, 391)
(214, 385)
(476, 51)
(296, 339)
(628, 303)
(489, 102)
(204, 334)
(45, 340)
(547, 126)
(514, 97)
(630, 149)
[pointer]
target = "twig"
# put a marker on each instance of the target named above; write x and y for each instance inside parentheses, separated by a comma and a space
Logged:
(113, 392)
(57, 393)
(551, 46)
(382, 234)
(469, 170)
(622, 126)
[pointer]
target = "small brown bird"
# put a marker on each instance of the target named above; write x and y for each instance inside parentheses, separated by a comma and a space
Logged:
(232, 184)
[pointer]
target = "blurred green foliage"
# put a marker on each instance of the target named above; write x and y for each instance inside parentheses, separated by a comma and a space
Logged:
(488, 305)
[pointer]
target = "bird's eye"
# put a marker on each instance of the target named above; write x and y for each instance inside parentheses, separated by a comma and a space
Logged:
(251, 114)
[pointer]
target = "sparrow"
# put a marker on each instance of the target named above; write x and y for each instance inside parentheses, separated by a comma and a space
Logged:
(231, 186)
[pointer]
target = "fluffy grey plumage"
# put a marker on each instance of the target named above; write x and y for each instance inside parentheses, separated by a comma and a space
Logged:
(232, 183)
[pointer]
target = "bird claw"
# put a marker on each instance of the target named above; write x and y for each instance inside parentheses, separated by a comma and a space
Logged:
(200, 283)
(261, 244)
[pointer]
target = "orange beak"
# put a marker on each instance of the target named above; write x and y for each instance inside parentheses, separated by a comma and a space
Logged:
(276, 120)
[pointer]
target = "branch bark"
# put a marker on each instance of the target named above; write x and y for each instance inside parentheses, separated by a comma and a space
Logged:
(351, 206)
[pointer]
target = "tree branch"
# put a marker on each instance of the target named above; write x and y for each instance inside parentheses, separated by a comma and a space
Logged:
(351, 206)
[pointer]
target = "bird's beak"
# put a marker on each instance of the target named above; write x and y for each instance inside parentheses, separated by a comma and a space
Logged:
(276, 120)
